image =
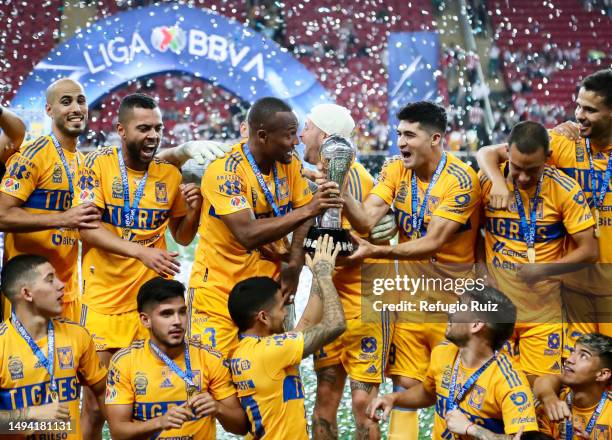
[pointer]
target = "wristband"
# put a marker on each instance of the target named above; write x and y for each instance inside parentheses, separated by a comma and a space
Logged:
(468, 428)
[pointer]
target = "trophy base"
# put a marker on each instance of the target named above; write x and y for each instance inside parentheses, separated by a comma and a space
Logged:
(341, 236)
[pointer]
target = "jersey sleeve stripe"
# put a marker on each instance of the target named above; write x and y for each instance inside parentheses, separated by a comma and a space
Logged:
(462, 175)
(508, 372)
(462, 182)
(31, 150)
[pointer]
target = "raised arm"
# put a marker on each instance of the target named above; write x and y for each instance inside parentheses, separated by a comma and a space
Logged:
(364, 216)
(203, 152)
(546, 389)
(489, 158)
(13, 127)
(333, 323)
(184, 228)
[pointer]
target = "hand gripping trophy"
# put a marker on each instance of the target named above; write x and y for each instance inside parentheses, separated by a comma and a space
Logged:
(337, 155)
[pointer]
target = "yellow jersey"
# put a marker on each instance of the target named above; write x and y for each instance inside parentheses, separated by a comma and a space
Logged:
(561, 211)
(580, 417)
(500, 400)
(229, 186)
(36, 176)
(110, 281)
(455, 196)
(571, 157)
(139, 378)
(24, 381)
(265, 373)
(347, 279)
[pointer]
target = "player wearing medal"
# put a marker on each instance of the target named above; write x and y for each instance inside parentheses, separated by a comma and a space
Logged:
(435, 198)
(264, 365)
(361, 352)
(38, 188)
(548, 208)
(588, 160)
(577, 404)
(471, 375)
(253, 197)
(138, 197)
(43, 359)
(167, 386)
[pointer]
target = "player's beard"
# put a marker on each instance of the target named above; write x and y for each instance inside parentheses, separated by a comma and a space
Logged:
(133, 149)
(60, 123)
(165, 339)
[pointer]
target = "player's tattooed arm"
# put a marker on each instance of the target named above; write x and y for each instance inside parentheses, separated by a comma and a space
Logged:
(314, 309)
(458, 423)
(333, 323)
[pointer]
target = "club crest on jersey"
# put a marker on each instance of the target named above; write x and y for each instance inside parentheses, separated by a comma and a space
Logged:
(601, 432)
(579, 152)
(477, 397)
(11, 185)
(197, 379)
(402, 193)
(117, 188)
(15, 367)
(65, 357)
(283, 188)
(161, 194)
(446, 377)
(140, 384)
(254, 197)
(238, 202)
(57, 174)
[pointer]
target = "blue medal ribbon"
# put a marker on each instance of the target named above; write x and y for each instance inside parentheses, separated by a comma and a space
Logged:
(569, 423)
(47, 362)
(453, 401)
(417, 221)
(528, 230)
(130, 211)
(60, 152)
(262, 182)
(599, 193)
(186, 375)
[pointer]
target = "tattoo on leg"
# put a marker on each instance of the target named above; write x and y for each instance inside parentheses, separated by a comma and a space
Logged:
(327, 374)
(324, 429)
(356, 385)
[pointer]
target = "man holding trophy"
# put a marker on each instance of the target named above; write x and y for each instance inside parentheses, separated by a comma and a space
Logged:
(361, 351)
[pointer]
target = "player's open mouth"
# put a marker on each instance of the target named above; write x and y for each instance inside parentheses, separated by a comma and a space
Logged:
(176, 332)
(75, 119)
(149, 151)
(406, 154)
(567, 369)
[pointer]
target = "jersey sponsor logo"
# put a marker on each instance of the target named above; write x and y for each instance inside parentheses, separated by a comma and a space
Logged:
(580, 199)
(11, 185)
(166, 383)
(65, 358)
(161, 194)
(244, 385)
(519, 398)
(238, 202)
(117, 188)
(140, 384)
(477, 397)
(231, 187)
(15, 367)
(462, 199)
(19, 171)
(372, 370)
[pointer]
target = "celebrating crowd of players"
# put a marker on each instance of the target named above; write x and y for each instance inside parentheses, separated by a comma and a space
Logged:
(157, 360)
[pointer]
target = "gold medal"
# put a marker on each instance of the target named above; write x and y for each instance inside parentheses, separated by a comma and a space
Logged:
(597, 232)
(125, 233)
(54, 396)
(531, 255)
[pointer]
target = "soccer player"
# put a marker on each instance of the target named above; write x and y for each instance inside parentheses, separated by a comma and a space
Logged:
(44, 360)
(167, 386)
(470, 374)
(253, 197)
(577, 404)
(138, 197)
(13, 133)
(589, 161)
(548, 207)
(38, 188)
(435, 198)
(265, 363)
(362, 350)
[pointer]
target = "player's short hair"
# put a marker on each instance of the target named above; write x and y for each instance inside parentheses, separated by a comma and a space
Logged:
(500, 322)
(17, 271)
(263, 110)
(158, 290)
(600, 345)
(432, 117)
(130, 102)
(529, 137)
(249, 297)
(600, 83)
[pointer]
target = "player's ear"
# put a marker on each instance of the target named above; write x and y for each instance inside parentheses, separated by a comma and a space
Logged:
(121, 130)
(48, 109)
(145, 320)
(478, 326)
(263, 317)
(604, 375)
(435, 139)
(262, 136)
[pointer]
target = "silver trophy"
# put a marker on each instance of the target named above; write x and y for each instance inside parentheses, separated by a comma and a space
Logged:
(337, 155)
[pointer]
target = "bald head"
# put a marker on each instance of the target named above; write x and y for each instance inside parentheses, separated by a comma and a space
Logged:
(56, 89)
